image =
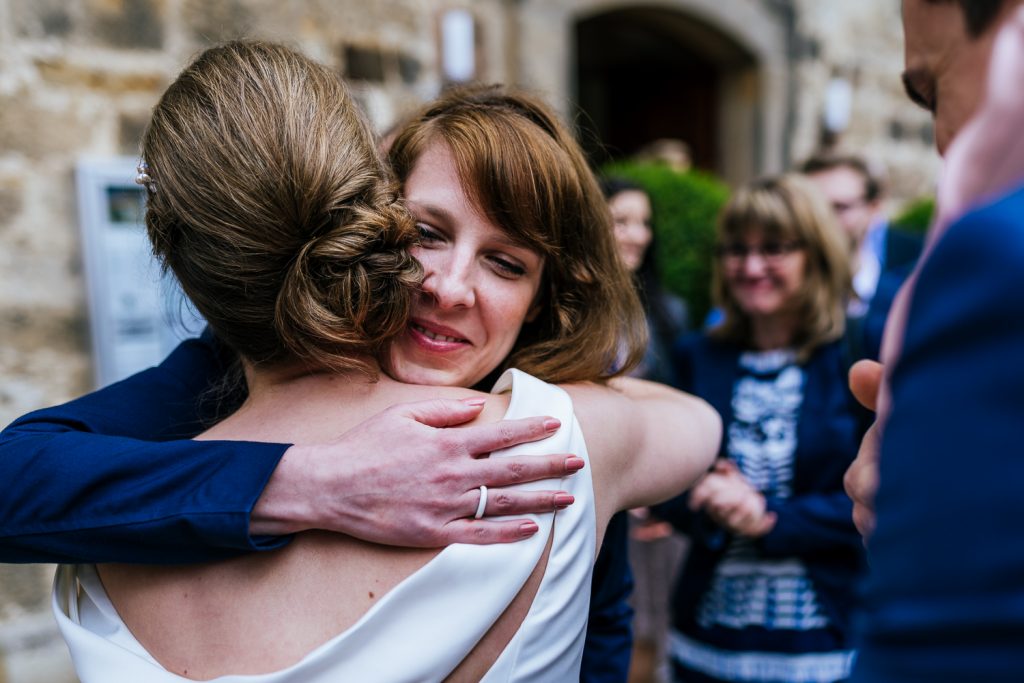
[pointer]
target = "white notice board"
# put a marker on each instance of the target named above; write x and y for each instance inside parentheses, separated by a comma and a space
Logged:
(137, 316)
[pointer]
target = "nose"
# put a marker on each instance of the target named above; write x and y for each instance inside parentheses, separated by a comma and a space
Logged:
(754, 264)
(449, 279)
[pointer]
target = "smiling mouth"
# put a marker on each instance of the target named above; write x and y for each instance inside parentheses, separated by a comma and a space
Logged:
(437, 337)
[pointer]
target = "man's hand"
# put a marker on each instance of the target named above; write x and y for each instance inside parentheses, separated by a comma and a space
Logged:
(861, 479)
(401, 478)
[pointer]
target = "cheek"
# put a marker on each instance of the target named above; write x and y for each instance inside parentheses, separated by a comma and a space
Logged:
(621, 237)
(426, 259)
(795, 281)
(434, 264)
(645, 237)
(511, 310)
(960, 91)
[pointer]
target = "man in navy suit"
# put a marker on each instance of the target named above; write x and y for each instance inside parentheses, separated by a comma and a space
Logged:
(945, 600)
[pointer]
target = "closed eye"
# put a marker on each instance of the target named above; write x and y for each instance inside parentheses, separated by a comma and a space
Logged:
(507, 268)
(428, 234)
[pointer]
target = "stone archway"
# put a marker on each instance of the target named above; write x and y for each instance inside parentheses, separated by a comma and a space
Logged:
(734, 51)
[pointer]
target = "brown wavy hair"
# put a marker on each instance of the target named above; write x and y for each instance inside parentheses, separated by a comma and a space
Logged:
(789, 208)
(272, 209)
(523, 168)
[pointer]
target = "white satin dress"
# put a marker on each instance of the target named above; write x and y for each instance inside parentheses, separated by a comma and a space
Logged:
(424, 627)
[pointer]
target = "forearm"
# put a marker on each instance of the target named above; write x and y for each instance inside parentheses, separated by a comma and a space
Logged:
(675, 439)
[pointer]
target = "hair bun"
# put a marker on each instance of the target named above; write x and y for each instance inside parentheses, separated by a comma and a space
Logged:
(349, 290)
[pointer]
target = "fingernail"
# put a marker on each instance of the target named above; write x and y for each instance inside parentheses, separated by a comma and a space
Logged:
(573, 463)
(474, 402)
(563, 500)
(551, 424)
(528, 528)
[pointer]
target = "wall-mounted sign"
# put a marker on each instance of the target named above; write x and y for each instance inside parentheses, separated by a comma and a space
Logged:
(458, 46)
(137, 314)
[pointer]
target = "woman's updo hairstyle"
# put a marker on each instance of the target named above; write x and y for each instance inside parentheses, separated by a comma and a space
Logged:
(268, 202)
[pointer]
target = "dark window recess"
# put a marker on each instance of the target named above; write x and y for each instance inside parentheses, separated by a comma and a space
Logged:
(364, 64)
(409, 68)
(896, 130)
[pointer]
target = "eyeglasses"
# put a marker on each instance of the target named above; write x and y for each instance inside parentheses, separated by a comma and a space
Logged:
(734, 253)
(842, 207)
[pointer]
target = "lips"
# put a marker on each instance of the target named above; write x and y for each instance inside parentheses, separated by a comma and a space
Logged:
(434, 337)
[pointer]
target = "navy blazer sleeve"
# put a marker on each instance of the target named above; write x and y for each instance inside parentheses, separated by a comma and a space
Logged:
(811, 523)
(946, 593)
(107, 477)
(609, 641)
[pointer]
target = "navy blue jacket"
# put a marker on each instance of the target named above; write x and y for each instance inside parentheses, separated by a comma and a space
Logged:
(815, 522)
(109, 478)
(902, 250)
(945, 599)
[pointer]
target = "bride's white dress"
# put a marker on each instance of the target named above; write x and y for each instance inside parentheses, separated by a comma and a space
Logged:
(426, 625)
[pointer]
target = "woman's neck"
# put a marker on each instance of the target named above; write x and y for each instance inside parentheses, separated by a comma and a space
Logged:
(773, 332)
(268, 379)
(288, 402)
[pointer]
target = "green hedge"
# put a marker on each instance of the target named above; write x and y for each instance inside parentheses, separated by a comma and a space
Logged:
(916, 216)
(686, 207)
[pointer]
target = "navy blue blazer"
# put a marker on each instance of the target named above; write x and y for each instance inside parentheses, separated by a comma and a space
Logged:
(109, 478)
(945, 599)
(815, 523)
(902, 250)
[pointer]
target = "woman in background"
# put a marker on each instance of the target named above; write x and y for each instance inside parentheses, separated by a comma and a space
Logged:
(667, 315)
(768, 587)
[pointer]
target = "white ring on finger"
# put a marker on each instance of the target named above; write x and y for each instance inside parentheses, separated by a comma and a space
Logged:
(482, 504)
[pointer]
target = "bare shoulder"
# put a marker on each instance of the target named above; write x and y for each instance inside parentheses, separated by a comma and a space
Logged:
(494, 409)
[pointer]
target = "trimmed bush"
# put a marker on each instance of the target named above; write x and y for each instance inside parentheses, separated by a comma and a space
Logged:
(686, 208)
(916, 216)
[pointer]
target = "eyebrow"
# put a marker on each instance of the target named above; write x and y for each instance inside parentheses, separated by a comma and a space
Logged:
(911, 79)
(434, 211)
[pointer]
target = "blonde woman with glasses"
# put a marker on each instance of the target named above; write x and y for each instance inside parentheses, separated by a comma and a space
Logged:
(767, 589)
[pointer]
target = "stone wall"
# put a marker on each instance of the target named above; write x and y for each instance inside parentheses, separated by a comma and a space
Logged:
(78, 77)
(863, 43)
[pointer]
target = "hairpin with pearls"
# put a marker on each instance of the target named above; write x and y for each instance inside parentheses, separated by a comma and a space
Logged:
(143, 178)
